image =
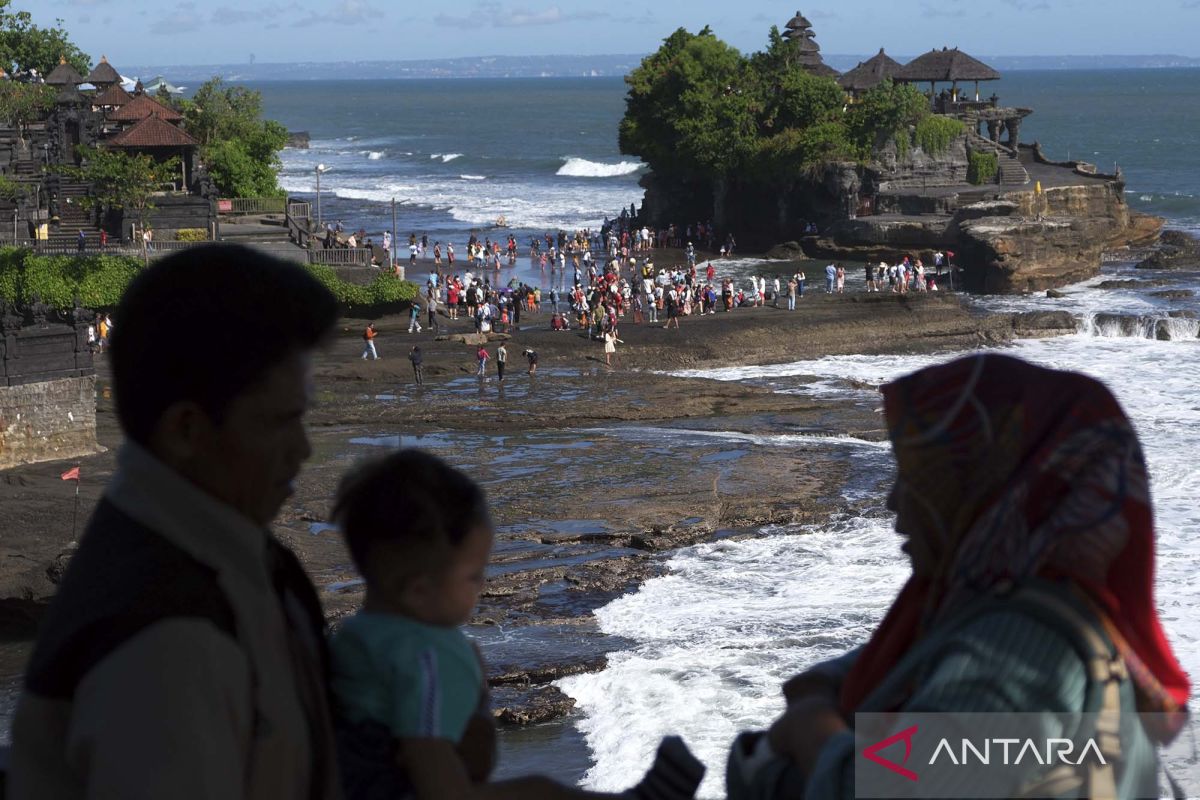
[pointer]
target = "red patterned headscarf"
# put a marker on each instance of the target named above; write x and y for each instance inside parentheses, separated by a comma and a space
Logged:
(1023, 471)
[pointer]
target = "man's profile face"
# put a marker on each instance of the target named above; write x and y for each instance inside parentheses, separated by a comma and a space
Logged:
(252, 458)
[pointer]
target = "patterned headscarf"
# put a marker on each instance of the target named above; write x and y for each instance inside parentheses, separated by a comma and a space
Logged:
(1021, 471)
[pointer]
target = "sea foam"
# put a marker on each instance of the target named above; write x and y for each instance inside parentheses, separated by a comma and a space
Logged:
(582, 168)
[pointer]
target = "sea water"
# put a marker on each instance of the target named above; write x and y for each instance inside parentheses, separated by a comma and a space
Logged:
(718, 634)
(544, 152)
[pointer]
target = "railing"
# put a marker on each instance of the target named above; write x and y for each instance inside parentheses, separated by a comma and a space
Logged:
(252, 205)
(340, 256)
(299, 223)
(299, 210)
(112, 249)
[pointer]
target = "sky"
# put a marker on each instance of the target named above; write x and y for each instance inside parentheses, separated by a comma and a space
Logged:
(170, 32)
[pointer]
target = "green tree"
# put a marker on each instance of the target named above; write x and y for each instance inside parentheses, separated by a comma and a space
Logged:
(239, 148)
(690, 111)
(25, 46)
(886, 112)
(23, 103)
(122, 180)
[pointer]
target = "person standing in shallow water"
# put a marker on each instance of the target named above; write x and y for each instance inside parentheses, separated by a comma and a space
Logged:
(416, 357)
(182, 654)
(1024, 501)
(501, 361)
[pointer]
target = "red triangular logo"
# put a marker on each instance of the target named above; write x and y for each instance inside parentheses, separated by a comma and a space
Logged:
(872, 752)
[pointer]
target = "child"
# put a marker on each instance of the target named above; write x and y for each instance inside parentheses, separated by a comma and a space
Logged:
(412, 706)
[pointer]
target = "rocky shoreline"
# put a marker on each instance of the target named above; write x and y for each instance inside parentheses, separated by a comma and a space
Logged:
(586, 492)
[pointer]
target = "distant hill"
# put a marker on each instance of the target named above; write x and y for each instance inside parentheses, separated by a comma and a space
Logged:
(575, 66)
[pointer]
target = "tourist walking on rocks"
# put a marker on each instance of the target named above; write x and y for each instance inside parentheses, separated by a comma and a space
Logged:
(793, 284)
(830, 277)
(775, 294)
(369, 337)
(482, 356)
(870, 274)
(501, 361)
(416, 358)
(181, 656)
(414, 317)
(841, 279)
(1024, 500)
(532, 357)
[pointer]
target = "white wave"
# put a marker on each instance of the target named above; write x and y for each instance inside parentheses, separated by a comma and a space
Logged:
(374, 155)
(582, 168)
(716, 636)
(719, 635)
(473, 177)
(446, 157)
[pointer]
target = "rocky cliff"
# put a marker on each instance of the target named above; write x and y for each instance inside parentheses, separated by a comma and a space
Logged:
(1006, 241)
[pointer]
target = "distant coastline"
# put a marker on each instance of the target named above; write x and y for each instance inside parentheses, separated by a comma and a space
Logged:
(573, 66)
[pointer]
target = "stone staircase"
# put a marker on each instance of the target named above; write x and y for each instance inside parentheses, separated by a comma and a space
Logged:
(74, 217)
(1011, 171)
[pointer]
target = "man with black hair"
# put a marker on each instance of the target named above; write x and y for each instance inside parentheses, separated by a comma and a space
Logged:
(183, 654)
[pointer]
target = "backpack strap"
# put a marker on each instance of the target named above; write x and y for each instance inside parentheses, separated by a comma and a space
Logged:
(1105, 673)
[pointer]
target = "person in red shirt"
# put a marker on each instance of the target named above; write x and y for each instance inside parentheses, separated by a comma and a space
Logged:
(483, 357)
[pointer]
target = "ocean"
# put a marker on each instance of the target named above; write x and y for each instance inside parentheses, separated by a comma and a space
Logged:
(714, 637)
(458, 154)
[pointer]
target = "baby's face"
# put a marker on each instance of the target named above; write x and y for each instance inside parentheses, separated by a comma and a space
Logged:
(459, 586)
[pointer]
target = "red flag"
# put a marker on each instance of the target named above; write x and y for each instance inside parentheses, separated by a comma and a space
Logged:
(72, 474)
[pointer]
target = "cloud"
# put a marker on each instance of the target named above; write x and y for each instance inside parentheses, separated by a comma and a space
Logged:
(498, 15)
(268, 15)
(183, 18)
(343, 12)
(930, 10)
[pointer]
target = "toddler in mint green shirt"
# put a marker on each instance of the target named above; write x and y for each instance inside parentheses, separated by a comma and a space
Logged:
(409, 688)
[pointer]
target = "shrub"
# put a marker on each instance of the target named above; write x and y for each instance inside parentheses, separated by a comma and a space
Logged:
(191, 235)
(100, 280)
(385, 289)
(935, 133)
(982, 168)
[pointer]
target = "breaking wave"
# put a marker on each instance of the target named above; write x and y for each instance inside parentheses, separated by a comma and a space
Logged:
(582, 168)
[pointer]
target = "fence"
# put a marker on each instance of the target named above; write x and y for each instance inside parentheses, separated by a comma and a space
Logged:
(340, 256)
(252, 205)
(299, 210)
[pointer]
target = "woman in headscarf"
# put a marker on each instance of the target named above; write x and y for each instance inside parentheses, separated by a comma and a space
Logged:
(1023, 496)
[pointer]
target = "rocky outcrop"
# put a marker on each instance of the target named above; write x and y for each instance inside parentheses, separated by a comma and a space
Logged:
(1008, 255)
(1005, 241)
(1177, 250)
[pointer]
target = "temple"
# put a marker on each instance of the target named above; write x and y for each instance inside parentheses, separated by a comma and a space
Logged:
(96, 111)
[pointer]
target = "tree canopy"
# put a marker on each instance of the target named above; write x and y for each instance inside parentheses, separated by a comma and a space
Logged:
(122, 180)
(239, 147)
(24, 45)
(699, 109)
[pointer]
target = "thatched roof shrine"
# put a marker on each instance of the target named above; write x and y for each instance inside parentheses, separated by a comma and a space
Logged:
(103, 74)
(946, 66)
(64, 75)
(870, 73)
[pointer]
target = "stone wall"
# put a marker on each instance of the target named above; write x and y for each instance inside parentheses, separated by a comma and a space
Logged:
(47, 387)
(47, 420)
